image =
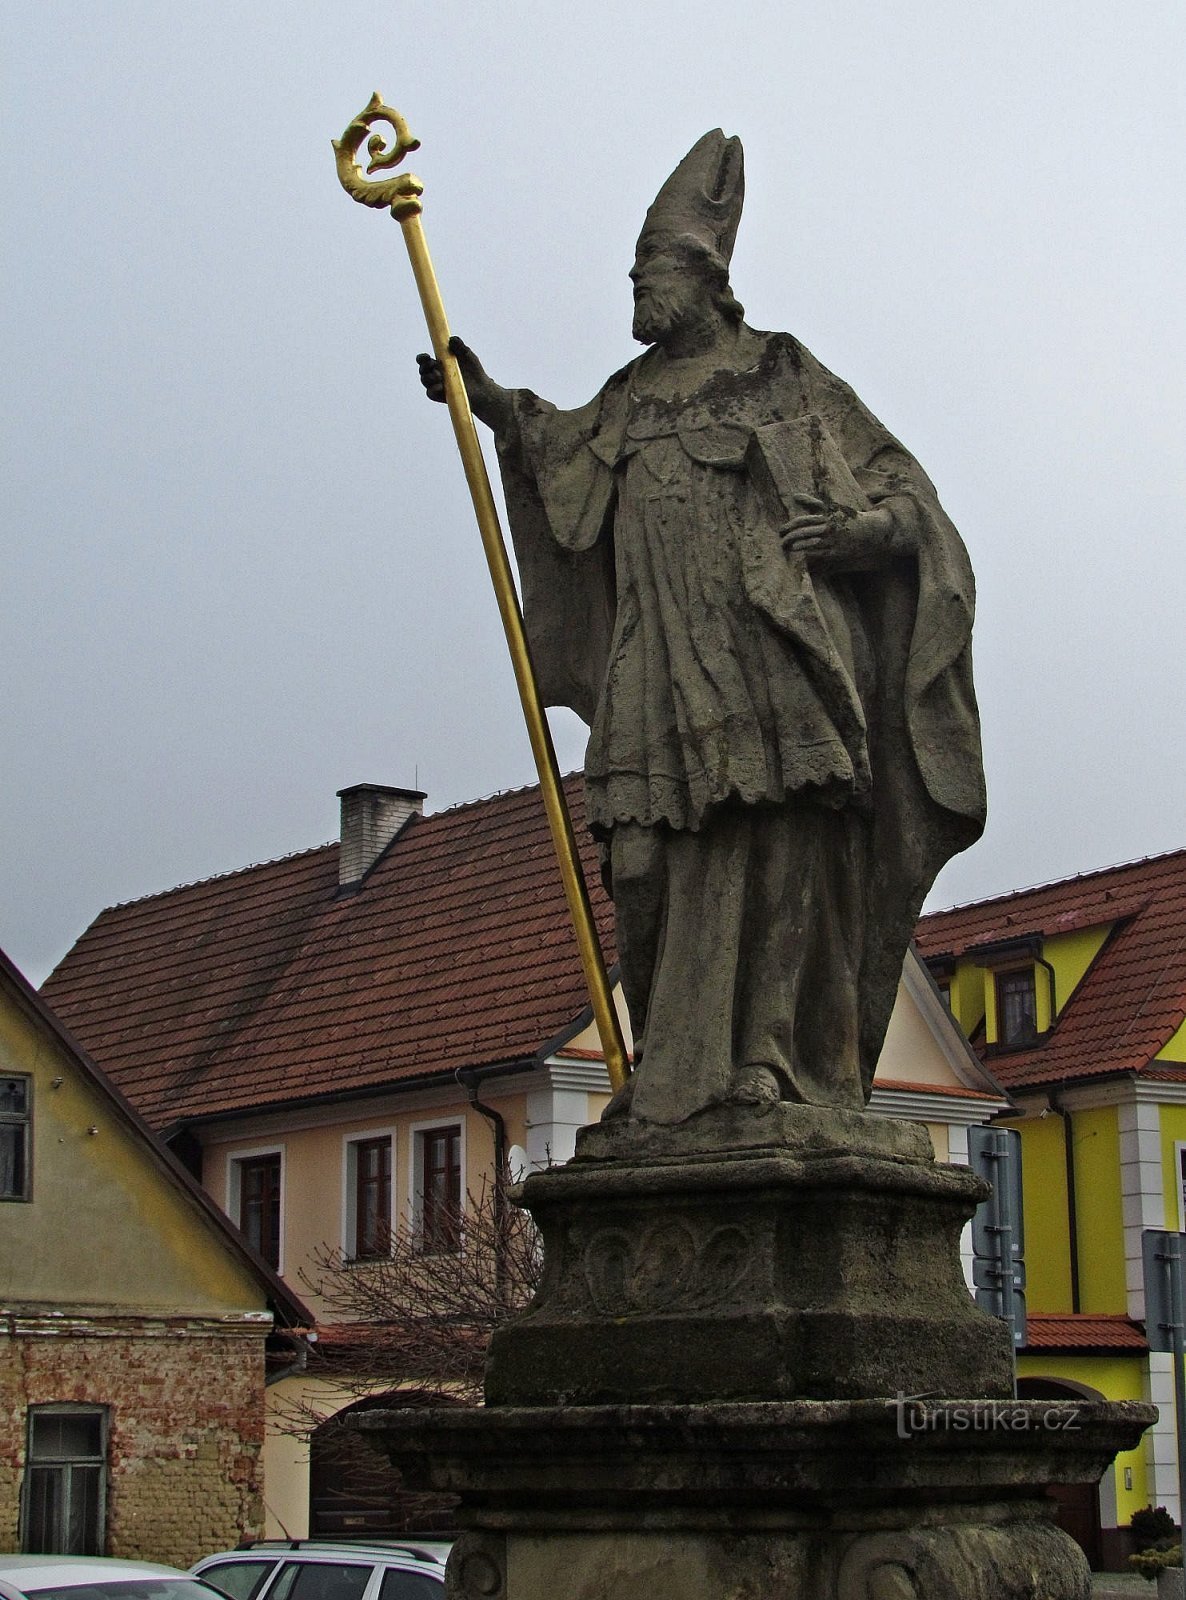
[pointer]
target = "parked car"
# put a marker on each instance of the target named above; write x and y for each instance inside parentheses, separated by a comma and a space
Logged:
(96, 1578)
(312, 1569)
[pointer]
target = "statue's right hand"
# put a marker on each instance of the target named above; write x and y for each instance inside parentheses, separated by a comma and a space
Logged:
(431, 376)
(487, 399)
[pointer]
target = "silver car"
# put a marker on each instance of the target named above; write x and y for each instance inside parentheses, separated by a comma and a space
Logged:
(95, 1578)
(310, 1569)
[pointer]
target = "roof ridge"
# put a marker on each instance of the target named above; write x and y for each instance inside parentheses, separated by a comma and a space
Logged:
(495, 794)
(219, 877)
(330, 844)
(1053, 883)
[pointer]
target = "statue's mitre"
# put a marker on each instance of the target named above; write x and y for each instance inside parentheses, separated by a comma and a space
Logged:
(702, 199)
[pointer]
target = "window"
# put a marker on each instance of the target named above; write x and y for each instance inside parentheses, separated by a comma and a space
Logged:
(238, 1580)
(368, 1177)
(399, 1584)
(321, 1580)
(1017, 1007)
(258, 1203)
(65, 1481)
(15, 1108)
(439, 1170)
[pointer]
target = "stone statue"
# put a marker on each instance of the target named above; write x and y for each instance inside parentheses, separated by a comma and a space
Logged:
(749, 589)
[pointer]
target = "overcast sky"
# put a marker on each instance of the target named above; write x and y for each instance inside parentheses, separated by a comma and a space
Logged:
(239, 568)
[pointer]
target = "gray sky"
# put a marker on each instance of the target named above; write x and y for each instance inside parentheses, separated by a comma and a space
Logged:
(239, 569)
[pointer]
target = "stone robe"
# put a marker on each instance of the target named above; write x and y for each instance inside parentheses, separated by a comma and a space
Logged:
(783, 753)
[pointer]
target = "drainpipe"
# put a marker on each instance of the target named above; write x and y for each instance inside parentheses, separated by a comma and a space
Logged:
(1042, 962)
(1068, 1141)
(299, 1362)
(467, 1077)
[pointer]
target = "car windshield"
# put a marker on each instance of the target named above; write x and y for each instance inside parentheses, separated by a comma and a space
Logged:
(128, 1589)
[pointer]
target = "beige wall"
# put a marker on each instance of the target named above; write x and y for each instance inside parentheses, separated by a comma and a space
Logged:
(911, 1053)
(105, 1226)
(315, 1162)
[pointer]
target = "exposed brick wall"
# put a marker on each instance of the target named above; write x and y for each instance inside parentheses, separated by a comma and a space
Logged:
(186, 1408)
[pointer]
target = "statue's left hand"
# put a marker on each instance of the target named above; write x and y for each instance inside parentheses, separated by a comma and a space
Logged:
(861, 540)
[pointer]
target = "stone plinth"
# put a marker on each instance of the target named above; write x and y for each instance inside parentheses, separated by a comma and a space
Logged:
(816, 1256)
(801, 1500)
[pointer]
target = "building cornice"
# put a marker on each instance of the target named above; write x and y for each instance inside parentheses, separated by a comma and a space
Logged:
(917, 1105)
(107, 1322)
(1125, 1090)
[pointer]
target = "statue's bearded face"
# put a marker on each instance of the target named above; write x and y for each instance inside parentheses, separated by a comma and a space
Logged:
(668, 296)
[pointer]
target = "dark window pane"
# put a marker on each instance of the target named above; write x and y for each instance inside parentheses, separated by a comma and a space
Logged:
(327, 1580)
(45, 1490)
(63, 1511)
(12, 1161)
(441, 1199)
(241, 1580)
(1017, 1007)
(14, 1138)
(14, 1096)
(411, 1586)
(82, 1530)
(259, 1205)
(65, 1435)
(282, 1588)
(372, 1200)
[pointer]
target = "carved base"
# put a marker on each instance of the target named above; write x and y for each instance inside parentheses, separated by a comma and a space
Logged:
(816, 1255)
(802, 1501)
(976, 1562)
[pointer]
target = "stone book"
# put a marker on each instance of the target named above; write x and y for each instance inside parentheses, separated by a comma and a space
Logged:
(790, 460)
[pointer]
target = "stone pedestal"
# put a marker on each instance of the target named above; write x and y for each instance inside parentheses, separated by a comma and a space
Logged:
(815, 1255)
(726, 1387)
(800, 1500)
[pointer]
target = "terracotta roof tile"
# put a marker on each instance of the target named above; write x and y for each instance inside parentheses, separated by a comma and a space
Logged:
(958, 1091)
(264, 986)
(1132, 998)
(1082, 1331)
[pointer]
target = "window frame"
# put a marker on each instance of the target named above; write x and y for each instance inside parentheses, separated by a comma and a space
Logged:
(1001, 977)
(23, 1121)
(67, 1465)
(352, 1143)
(237, 1160)
(419, 1134)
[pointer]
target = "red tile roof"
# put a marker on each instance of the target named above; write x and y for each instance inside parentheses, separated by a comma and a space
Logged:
(1082, 1331)
(264, 986)
(955, 1090)
(1132, 998)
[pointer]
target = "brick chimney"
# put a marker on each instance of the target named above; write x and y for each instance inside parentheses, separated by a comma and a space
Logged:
(372, 815)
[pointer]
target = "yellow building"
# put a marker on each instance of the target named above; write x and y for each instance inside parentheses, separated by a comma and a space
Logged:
(1074, 995)
(133, 1320)
(336, 1041)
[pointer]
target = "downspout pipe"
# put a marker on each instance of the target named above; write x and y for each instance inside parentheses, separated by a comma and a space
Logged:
(1068, 1140)
(467, 1077)
(1041, 961)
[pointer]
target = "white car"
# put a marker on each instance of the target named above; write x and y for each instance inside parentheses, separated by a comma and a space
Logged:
(311, 1569)
(96, 1578)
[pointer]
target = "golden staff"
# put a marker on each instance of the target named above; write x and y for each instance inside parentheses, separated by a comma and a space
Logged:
(402, 195)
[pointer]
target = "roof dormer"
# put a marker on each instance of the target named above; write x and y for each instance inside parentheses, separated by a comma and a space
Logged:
(1020, 1001)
